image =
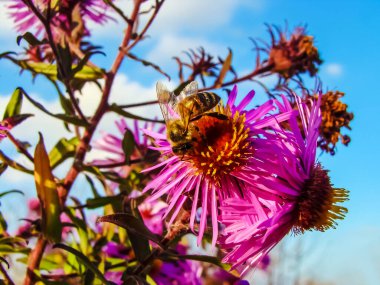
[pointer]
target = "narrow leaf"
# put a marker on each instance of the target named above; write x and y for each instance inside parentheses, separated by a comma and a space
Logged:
(13, 163)
(47, 193)
(84, 260)
(225, 68)
(62, 151)
(15, 120)
(10, 192)
(31, 39)
(130, 223)
(128, 144)
(115, 108)
(64, 117)
(14, 104)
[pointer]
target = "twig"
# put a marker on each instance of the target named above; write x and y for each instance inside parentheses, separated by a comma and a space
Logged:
(249, 76)
(83, 145)
(6, 276)
(138, 104)
(46, 23)
(19, 146)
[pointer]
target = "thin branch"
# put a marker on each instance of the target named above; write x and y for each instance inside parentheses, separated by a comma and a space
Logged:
(139, 104)
(19, 146)
(46, 23)
(117, 10)
(250, 76)
(83, 145)
(6, 276)
(148, 24)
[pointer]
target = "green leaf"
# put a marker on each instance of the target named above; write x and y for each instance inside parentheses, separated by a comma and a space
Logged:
(10, 192)
(130, 223)
(14, 104)
(47, 194)
(204, 258)
(3, 224)
(65, 58)
(128, 144)
(92, 185)
(31, 39)
(83, 260)
(64, 117)
(102, 201)
(3, 167)
(15, 120)
(223, 72)
(115, 108)
(62, 150)
(13, 163)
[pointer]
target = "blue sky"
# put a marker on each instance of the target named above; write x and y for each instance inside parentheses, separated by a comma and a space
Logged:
(346, 33)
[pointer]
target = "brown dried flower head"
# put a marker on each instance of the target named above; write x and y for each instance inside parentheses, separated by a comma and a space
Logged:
(294, 55)
(334, 118)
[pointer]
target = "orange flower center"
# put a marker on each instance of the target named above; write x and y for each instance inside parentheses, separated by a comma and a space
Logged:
(221, 145)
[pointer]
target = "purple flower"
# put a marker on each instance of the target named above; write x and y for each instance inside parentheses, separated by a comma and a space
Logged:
(116, 250)
(181, 272)
(221, 163)
(303, 199)
(66, 14)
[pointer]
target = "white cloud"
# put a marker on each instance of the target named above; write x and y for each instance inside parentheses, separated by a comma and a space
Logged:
(194, 14)
(5, 20)
(171, 45)
(334, 69)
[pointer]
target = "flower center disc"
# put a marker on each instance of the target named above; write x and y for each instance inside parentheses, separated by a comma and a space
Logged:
(317, 207)
(220, 145)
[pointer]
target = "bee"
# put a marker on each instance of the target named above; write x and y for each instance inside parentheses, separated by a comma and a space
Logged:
(180, 111)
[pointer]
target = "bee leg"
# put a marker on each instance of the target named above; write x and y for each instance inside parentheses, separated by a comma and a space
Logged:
(211, 114)
(217, 115)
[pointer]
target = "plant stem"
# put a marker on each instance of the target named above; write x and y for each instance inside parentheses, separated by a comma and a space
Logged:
(63, 191)
(35, 259)
(19, 146)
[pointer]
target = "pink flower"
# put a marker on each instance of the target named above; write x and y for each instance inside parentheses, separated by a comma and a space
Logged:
(3, 130)
(152, 213)
(221, 162)
(303, 197)
(62, 14)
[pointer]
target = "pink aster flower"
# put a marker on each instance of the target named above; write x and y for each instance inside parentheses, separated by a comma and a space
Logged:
(221, 162)
(62, 11)
(152, 213)
(304, 198)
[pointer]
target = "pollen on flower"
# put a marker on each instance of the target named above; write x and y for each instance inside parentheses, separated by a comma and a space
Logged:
(316, 207)
(220, 146)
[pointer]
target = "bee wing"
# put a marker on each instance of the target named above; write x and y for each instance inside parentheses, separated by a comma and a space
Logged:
(166, 100)
(190, 89)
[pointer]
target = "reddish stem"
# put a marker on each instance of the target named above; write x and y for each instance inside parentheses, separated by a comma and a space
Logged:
(63, 191)
(35, 259)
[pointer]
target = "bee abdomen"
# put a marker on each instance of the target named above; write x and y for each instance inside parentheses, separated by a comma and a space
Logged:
(206, 101)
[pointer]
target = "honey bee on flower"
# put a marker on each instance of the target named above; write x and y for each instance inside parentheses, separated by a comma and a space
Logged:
(222, 144)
